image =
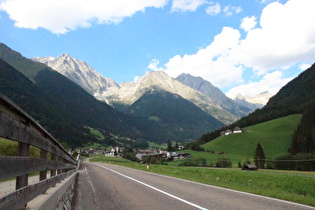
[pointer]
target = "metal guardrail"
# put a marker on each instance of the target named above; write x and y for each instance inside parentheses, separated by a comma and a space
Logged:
(17, 125)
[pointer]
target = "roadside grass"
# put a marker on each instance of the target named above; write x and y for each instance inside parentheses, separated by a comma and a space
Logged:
(10, 148)
(292, 186)
(210, 158)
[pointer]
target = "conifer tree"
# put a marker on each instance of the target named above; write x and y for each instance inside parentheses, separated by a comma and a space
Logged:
(176, 146)
(259, 157)
(169, 146)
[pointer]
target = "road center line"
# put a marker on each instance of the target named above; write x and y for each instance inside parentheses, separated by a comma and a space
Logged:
(154, 188)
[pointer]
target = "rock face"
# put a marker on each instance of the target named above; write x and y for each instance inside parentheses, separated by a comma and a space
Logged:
(217, 95)
(80, 73)
(260, 99)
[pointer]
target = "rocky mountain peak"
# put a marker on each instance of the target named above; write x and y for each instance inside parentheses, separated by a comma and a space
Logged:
(261, 98)
(216, 94)
(80, 73)
(44, 60)
(190, 80)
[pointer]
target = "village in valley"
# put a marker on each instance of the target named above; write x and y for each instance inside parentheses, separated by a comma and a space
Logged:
(142, 155)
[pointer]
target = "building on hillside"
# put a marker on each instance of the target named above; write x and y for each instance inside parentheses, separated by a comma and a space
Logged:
(140, 156)
(237, 130)
(181, 147)
(114, 152)
(228, 132)
(145, 151)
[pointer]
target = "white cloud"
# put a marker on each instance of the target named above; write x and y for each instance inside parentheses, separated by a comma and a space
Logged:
(248, 23)
(211, 63)
(136, 78)
(271, 82)
(304, 66)
(230, 10)
(187, 5)
(154, 65)
(61, 16)
(286, 37)
(214, 10)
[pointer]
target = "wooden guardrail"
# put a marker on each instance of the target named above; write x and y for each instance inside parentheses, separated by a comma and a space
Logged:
(17, 125)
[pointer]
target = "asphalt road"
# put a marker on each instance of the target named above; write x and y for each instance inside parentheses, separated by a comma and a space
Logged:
(107, 186)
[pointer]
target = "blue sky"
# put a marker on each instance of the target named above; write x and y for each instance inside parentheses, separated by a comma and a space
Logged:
(245, 46)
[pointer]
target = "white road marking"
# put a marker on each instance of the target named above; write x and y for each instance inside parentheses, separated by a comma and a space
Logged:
(154, 188)
(93, 189)
(230, 190)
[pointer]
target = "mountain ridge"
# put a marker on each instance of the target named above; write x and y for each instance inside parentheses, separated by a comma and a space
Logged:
(128, 93)
(69, 112)
(209, 98)
(216, 94)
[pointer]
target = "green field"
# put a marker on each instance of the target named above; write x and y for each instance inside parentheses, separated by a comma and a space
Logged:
(97, 133)
(293, 186)
(274, 136)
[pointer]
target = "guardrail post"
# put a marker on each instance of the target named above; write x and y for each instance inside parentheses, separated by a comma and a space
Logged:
(60, 159)
(22, 181)
(43, 174)
(53, 172)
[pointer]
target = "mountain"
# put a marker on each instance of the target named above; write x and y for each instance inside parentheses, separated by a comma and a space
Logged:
(242, 100)
(298, 93)
(205, 87)
(61, 106)
(80, 73)
(173, 115)
(69, 112)
(128, 92)
(259, 100)
(212, 100)
(37, 103)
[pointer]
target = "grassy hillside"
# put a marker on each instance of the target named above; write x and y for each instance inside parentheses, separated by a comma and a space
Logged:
(274, 136)
(296, 97)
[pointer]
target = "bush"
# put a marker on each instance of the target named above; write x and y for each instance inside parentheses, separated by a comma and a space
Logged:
(299, 162)
(224, 163)
(201, 162)
(154, 160)
(130, 156)
(194, 146)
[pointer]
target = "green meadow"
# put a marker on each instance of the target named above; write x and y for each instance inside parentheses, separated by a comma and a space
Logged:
(274, 136)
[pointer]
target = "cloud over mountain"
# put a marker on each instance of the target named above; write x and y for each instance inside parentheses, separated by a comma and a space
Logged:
(282, 37)
(286, 35)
